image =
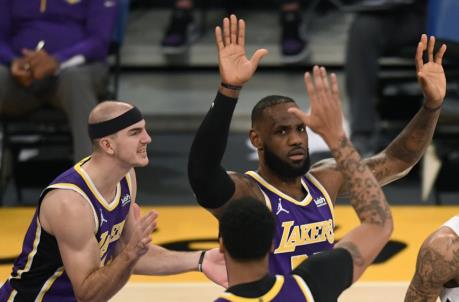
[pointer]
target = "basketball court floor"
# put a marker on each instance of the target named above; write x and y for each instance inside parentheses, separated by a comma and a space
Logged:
(192, 228)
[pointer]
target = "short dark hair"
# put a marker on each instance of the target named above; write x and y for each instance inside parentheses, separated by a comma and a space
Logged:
(266, 102)
(247, 228)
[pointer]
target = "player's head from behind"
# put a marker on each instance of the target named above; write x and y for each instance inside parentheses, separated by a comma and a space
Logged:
(246, 230)
(280, 137)
(117, 130)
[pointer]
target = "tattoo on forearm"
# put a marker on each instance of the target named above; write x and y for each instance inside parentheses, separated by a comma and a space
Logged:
(433, 270)
(414, 139)
(366, 196)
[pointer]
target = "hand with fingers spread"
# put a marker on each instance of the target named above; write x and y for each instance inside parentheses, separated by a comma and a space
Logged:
(325, 116)
(235, 68)
(431, 75)
(141, 235)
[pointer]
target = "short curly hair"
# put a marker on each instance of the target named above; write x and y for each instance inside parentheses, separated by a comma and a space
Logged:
(247, 229)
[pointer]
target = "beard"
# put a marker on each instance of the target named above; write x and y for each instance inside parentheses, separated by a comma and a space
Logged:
(283, 168)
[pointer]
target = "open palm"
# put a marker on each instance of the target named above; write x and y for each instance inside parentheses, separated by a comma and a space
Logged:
(235, 67)
(431, 75)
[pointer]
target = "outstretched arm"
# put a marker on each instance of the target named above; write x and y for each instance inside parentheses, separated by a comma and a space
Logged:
(368, 200)
(437, 263)
(160, 261)
(408, 147)
(211, 184)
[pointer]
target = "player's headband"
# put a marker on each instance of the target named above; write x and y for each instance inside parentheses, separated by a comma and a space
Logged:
(114, 125)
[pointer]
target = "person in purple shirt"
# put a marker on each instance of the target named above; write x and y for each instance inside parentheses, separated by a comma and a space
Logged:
(87, 236)
(300, 195)
(54, 52)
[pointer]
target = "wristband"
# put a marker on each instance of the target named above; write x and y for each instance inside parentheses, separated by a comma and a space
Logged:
(431, 109)
(201, 260)
(231, 87)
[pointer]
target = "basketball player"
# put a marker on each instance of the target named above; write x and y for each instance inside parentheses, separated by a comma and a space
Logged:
(247, 228)
(87, 236)
(437, 267)
(302, 197)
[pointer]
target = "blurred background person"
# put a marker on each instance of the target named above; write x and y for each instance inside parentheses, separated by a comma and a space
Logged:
(372, 35)
(183, 30)
(54, 53)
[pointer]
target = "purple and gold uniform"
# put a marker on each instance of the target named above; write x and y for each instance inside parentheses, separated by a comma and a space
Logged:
(38, 273)
(303, 228)
(285, 288)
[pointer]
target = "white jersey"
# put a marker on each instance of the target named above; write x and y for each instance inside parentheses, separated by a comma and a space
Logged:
(451, 294)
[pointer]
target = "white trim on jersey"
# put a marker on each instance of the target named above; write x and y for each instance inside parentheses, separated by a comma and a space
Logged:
(453, 224)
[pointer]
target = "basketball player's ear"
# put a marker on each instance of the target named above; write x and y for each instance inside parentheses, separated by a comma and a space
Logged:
(272, 247)
(255, 139)
(105, 144)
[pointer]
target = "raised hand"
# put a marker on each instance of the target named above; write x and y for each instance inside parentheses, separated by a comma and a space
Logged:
(214, 267)
(325, 116)
(235, 68)
(431, 75)
(141, 235)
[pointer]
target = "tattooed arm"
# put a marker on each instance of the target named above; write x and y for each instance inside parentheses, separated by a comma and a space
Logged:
(367, 198)
(437, 263)
(367, 240)
(389, 165)
(409, 146)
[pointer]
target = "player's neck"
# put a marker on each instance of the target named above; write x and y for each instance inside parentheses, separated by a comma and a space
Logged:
(104, 175)
(290, 186)
(245, 272)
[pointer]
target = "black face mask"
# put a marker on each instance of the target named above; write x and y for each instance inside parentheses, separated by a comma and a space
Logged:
(285, 169)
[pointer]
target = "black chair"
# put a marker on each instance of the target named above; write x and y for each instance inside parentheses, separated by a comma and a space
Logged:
(38, 146)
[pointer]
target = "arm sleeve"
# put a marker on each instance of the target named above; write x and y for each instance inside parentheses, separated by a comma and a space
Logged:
(99, 26)
(327, 273)
(6, 52)
(208, 179)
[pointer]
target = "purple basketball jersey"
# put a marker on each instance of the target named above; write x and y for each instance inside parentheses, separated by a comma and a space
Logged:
(38, 273)
(286, 288)
(303, 228)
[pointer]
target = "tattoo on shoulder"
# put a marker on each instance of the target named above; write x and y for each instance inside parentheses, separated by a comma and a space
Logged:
(433, 269)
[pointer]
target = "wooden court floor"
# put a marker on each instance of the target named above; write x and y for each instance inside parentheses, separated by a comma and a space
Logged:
(193, 227)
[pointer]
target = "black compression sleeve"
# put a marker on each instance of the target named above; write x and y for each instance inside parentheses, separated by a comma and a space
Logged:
(208, 179)
(327, 274)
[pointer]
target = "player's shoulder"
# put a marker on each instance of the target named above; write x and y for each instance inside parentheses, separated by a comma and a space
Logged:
(63, 210)
(242, 179)
(60, 201)
(324, 168)
(245, 185)
(326, 163)
(443, 242)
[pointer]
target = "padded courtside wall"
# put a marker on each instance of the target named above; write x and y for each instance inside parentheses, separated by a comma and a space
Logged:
(443, 19)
